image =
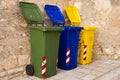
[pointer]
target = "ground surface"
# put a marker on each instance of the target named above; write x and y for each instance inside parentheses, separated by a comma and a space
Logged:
(97, 70)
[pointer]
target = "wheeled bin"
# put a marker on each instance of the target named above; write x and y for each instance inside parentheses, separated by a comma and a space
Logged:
(86, 45)
(68, 45)
(68, 48)
(86, 36)
(44, 43)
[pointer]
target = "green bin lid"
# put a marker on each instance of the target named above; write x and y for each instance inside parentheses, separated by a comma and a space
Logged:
(48, 28)
(32, 13)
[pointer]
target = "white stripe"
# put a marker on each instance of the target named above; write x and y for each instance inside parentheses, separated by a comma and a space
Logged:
(84, 56)
(67, 60)
(44, 62)
(85, 49)
(57, 60)
(44, 70)
(68, 52)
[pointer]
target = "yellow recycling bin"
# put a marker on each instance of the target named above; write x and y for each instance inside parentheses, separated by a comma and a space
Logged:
(86, 45)
(73, 15)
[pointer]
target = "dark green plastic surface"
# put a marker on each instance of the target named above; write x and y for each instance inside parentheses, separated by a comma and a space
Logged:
(32, 13)
(44, 42)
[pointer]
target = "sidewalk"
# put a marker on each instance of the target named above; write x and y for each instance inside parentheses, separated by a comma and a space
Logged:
(98, 70)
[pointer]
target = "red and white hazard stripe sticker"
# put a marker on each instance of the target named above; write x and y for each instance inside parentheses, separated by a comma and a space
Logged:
(68, 56)
(44, 60)
(85, 51)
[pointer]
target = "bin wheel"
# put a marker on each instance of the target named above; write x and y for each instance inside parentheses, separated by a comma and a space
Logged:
(30, 70)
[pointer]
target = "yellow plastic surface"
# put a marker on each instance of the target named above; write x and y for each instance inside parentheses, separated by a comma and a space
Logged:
(86, 38)
(73, 15)
(90, 28)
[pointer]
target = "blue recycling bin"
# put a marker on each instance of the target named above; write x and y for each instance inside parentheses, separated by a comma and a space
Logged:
(68, 48)
(69, 38)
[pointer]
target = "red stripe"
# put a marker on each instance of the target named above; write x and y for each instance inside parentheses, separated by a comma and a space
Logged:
(84, 58)
(67, 49)
(85, 46)
(85, 52)
(67, 63)
(43, 75)
(44, 66)
(67, 56)
(43, 58)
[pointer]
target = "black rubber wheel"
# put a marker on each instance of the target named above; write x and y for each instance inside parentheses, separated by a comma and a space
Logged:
(30, 70)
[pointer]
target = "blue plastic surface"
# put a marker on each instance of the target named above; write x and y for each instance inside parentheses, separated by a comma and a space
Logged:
(69, 38)
(55, 15)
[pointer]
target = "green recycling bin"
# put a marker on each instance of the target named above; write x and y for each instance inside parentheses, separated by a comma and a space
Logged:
(44, 50)
(44, 42)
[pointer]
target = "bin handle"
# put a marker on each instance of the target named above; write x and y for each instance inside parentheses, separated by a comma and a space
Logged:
(82, 42)
(35, 25)
(58, 24)
(80, 46)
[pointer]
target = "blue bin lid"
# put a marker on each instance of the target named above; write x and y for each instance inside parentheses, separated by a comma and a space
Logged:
(54, 14)
(72, 28)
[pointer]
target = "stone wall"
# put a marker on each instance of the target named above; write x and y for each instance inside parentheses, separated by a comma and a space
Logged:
(14, 33)
(105, 14)
(14, 39)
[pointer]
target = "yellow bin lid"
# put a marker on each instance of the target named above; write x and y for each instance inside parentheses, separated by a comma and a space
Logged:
(73, 14)
(90, 28)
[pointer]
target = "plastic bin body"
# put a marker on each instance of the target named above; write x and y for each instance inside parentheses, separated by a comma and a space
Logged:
(86, 45)
(32, 13)
(68, 48)
(44, 44)
(73, 15)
